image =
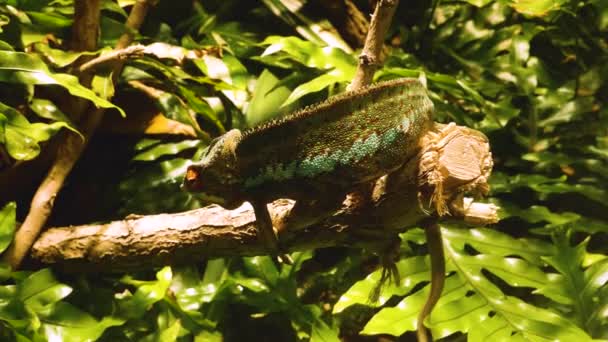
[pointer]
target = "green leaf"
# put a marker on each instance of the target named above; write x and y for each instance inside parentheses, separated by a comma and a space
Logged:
(209, 336)
(491, 241)
(48, 110)
(19, 67)
(266, 99)
(318, 30)
(262, 267)
(412, 271)
(148, 293)
(199, 106)
(41, 289)
(536, 8)
(22, 137)
(578, 286)
(469, 298)
(478, 3)
(8, 224)
(321, 332)
(62, 58)
(65, 322)
(569, 111)
(315, 85)
(51, 21)
(537, 213)
(191, 291)
(311, 54)
(546, 186)
(403, 316)
(103, 86)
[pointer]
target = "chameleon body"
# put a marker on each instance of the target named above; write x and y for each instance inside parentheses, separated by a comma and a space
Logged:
(349, 139)
(320, 151)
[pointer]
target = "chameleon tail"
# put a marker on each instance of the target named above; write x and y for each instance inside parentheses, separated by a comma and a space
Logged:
(435, 246)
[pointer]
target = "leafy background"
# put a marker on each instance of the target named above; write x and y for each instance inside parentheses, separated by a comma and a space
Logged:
(529, 74)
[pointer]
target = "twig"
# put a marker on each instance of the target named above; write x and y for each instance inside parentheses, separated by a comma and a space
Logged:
(370, 57)
(133, 51)
(151, 92)
(69, 151)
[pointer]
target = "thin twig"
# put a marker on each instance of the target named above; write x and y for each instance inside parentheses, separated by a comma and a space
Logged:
(151, 92)
(133, 51)
(70, 150)
(371, 56)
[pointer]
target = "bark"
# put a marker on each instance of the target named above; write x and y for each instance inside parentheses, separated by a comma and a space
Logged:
(348, 19)
(370, 58)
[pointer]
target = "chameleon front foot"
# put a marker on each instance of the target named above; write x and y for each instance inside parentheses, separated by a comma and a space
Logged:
(267, 234)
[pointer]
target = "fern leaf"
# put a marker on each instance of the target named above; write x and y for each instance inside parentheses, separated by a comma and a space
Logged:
(471, 303)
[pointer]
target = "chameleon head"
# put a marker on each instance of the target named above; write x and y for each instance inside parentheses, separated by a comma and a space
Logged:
(216, 177)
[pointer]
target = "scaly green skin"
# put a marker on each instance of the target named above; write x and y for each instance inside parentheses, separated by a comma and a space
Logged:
(349, 139)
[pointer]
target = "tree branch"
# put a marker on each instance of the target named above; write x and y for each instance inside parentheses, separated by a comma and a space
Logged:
(117, 54)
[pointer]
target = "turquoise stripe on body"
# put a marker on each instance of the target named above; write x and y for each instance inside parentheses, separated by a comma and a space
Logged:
(314, 166)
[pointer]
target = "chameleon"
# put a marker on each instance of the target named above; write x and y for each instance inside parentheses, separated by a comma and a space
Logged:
(319, 152)
(323, 150)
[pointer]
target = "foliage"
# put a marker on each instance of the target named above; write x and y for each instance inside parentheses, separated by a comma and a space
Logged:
(529, 74)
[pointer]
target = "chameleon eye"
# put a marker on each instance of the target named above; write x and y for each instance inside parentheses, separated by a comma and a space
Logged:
(191, 174)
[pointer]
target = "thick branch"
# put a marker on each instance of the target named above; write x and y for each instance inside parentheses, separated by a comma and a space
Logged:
(156, 240)
(68, 153)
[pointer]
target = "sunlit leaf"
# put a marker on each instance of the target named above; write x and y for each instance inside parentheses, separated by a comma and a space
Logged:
(19, 67)
(316, 84)
(536, 7)
(412, 271)
(22, 138)
(65, 322)
(40, 289)
(147, 293)
(7, 224)
(266, 99)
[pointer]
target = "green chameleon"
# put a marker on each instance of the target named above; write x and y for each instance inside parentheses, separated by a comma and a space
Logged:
(319, 153)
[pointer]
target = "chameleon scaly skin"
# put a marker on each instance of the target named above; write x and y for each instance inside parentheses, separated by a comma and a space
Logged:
(328, 148)
(349, 139)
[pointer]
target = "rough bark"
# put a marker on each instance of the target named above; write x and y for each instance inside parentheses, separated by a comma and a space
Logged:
(348, 19)
(371, 56)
